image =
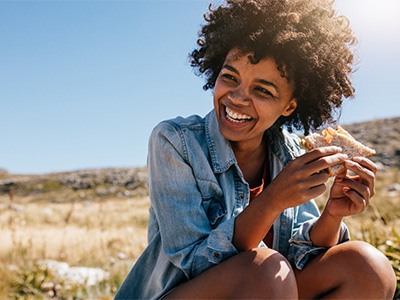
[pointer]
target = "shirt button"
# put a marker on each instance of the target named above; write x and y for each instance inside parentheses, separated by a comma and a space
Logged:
(216, 255)
(241, 196)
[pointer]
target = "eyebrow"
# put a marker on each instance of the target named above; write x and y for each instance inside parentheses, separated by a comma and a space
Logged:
(262, 81)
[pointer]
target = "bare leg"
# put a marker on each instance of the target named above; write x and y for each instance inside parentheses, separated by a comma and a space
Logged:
(352, 270)
(260, 273)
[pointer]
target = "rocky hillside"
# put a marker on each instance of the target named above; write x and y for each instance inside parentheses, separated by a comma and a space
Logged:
(383, 135)
(73, 186)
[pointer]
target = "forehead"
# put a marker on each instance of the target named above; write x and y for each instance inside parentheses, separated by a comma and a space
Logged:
(246, 60)
(239, 57)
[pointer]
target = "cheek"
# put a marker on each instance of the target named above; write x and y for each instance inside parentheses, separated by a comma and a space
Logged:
(217, 93)
(216, 104)
(217, 88)
(268, 114)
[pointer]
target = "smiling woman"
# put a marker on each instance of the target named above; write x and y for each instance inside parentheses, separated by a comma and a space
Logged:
(232, 193)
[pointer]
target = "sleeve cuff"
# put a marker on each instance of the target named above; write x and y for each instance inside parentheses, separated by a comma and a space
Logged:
(220, 242)
(303, 248)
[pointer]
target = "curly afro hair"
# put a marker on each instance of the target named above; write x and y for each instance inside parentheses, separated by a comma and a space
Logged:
(310, 43)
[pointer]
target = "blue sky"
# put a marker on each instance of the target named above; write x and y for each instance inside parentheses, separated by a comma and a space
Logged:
(82, 83)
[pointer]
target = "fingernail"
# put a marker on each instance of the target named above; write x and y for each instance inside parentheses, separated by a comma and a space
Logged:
(349, 163)
(346, 189)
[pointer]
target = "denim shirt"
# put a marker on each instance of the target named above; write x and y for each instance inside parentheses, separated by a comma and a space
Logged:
(196, 191)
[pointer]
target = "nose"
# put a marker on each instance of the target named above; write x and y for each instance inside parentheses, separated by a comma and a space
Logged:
(239, 97)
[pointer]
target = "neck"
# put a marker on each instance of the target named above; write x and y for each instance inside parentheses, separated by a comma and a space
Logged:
(251, 160)
(245, 152)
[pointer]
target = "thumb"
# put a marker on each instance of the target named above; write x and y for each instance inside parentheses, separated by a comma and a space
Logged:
(341, 175)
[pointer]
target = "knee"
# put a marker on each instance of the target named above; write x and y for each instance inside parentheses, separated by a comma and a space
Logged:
(272, 272)
(371, 267)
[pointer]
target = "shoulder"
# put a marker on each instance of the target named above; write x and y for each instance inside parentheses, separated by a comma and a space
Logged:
(284, 144)
(178, 133)
(293, 142)
(179, 124)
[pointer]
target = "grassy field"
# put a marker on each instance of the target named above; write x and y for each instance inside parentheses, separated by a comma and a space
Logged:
(110, 233)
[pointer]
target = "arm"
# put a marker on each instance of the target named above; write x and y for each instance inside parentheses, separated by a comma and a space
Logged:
(189, 241)
(349, 195)
(300, 181)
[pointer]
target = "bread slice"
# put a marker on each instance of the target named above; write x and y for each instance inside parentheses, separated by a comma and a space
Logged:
(341, 138)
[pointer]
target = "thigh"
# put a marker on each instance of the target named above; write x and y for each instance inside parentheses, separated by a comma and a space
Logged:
(351, 268)
(245, 275)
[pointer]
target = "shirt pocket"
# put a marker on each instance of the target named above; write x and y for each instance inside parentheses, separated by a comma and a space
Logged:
(213, 202)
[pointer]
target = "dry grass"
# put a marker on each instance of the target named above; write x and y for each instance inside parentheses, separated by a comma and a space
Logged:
(111, 234)
(108, 234)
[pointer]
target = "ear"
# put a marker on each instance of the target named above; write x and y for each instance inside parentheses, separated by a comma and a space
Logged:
(290, 107)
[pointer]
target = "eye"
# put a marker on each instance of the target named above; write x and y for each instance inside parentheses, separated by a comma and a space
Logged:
(228, 77)
(264, 92)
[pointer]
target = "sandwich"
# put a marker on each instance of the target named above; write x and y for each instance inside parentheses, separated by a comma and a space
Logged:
(337, 137)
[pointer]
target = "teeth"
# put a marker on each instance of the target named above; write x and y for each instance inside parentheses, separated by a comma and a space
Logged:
(234, 116)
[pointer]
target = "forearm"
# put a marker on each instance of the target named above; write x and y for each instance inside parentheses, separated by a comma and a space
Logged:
(253, 223)
(326, 230)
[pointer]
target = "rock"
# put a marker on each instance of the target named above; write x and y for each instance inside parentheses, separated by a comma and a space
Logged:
(17, 207)
(101, 191)
(121, 255)
(381, 167)
(76, 275)
(394, 187)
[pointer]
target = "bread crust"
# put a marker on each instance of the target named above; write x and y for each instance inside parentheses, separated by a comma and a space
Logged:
(341, 138)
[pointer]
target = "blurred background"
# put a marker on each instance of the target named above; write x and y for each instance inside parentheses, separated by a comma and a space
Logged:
(82, 83)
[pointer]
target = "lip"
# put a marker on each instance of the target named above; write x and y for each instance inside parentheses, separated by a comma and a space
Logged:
(234, 123)
(236, 116)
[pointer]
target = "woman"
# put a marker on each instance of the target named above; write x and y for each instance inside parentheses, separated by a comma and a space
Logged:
(231, 212)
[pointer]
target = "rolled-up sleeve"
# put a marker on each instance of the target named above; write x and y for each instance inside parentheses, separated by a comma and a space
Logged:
(301, 246)
(189, 241)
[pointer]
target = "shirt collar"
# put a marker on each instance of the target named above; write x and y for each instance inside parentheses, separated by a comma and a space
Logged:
(222, 156)
(284, 145)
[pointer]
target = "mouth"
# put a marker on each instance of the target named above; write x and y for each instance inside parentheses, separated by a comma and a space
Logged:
(236, 116)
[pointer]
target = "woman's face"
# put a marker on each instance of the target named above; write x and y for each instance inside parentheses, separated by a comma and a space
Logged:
(249, 98)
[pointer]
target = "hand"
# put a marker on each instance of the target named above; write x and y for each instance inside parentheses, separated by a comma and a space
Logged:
(350, 195)
(302, 179)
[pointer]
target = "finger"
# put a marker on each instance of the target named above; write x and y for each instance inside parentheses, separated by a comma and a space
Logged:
(319, 152)
(316, 179)
(359, 202)
(325, 162)
(367, 163)
(358, 187)
(315, 191)
(366, 175)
